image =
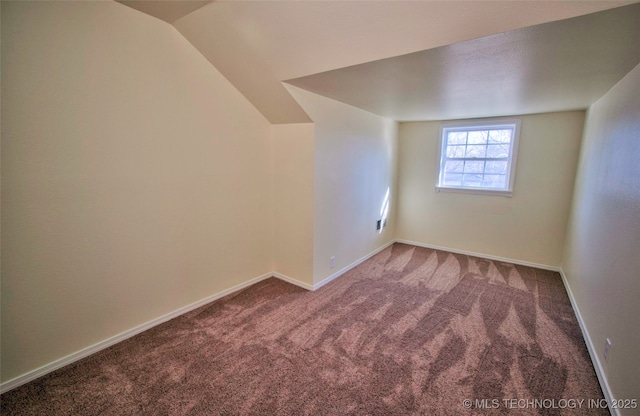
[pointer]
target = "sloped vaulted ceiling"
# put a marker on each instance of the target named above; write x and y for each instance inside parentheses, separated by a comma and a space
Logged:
(212, 30)
(167, 10)
(558, 66)
(351, 51)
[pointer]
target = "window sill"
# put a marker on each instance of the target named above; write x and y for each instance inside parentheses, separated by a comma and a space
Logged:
(493, 192)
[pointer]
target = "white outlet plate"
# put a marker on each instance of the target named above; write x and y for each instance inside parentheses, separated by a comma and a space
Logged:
(332, 262)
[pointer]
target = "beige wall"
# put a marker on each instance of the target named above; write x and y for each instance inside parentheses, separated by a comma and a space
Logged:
(216, 32)
(293, 200)
(529, 227)
(135, 178)
(602, 257)
(354, 165)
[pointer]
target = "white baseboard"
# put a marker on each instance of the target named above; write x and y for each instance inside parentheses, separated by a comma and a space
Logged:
(293, 281)
(85, 352)
(597, 364)
(41, 371)
(602, 379)
(351, 266)
(482, 255)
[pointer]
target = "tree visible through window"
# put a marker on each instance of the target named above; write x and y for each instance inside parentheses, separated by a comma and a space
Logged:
(478, 157)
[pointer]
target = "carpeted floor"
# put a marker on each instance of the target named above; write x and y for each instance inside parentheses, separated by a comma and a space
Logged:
(410, 331)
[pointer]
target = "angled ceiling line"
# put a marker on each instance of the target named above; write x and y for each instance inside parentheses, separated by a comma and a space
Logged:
(408, 60)
(167, 10)
(557, 66)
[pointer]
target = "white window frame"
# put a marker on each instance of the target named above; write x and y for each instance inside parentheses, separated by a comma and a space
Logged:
(479, 125)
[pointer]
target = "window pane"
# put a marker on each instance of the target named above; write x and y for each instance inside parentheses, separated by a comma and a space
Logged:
(473, 166)
(496, 167)
(455, 151)
(498, 150)
(494, 181)
(478, 137)
(453, 166)
(476, 151)
(500, 136)
(478, 156)
(452, 179)
(457, 137)
(472, 179)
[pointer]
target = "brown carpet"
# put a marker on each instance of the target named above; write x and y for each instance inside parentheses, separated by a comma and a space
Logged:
(410, 331)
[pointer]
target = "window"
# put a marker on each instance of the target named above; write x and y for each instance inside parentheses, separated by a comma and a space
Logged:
(478, 157)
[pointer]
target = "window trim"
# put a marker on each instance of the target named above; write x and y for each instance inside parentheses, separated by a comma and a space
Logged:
(481, 124)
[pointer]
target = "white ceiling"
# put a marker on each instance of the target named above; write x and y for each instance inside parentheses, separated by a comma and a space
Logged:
(259, 44)
(558, 66)
(167, 10)
(214, 31)
(299, 38)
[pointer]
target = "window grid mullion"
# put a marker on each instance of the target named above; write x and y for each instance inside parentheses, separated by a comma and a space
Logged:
(484, 162)
(471, 172)
(471, 159)
(464, 164)
(464, 167)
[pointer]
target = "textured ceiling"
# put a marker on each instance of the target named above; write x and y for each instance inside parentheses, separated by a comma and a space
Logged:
(299, 38)
(214, 32)
(558, 66)
(167, 10)
(258, 44)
